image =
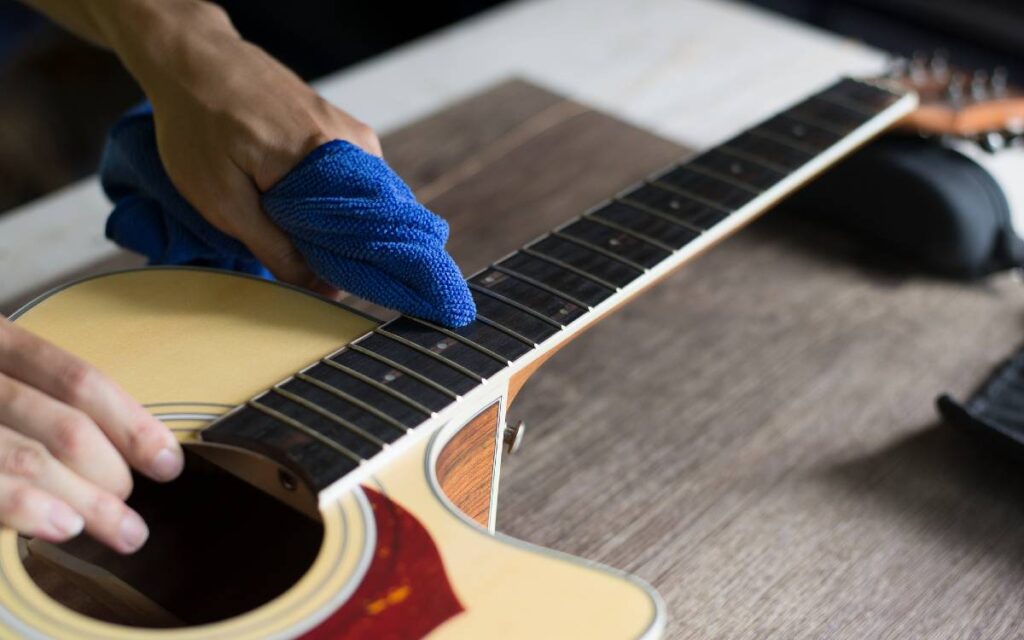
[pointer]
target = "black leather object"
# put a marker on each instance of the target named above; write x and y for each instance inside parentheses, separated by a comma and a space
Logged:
(916, 197)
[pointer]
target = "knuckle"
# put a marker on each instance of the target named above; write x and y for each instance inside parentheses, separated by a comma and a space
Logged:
(19, 501)
(364, 136)
(71, 435)
(28, 460)
(76, 381)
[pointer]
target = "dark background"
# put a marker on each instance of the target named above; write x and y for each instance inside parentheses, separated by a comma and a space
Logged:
(58, 95)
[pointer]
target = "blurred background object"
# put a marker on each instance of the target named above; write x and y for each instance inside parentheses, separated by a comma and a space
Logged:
(977, 33)
(58, 95)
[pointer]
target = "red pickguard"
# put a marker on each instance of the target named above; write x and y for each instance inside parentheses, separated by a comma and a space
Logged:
(405, 593)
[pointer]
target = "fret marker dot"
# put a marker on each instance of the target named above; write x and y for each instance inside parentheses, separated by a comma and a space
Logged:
(391, 376)
(736, 168)
(614, 242)
(674, 204)
(799, 130)
(441, 346)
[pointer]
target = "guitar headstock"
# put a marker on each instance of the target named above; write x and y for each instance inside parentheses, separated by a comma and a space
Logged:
(979, 106)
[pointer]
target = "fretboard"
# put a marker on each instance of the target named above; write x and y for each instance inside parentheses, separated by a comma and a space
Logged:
(338, 413)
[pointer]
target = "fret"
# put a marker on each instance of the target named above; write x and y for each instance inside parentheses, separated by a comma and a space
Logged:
(328, 430)
(840, 98)
(349, 369)
(316, 408)
(606, 268)
(700, 186)
(495, 339)
(248, 428)
(431, 354)
(512, 273)
(466, 359)
(752, 175)
(676, 206)
(527, 296)
(511, 319)
(612, 242)
(870, 98)
(475, 288)
(428, 367)
(400, 396)
(767, 151)
(636, 234)
(671, 233)
(795, 133)
(362, 414)
(401, 410)
(561, 281)
(828, 115)
(399, 367)
(568, 267)
(457, 335)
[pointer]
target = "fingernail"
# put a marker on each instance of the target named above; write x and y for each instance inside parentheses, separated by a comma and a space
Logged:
(167, 464)
(64, 519)
(133, 533)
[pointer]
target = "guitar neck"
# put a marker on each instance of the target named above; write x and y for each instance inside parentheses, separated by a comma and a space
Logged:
(340, 412)
(570, 278)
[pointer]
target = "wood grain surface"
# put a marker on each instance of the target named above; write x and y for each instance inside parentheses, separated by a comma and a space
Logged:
(465, 466)
(756, 435)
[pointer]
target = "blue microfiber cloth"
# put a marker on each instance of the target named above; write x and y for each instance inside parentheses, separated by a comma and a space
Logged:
(355, 221)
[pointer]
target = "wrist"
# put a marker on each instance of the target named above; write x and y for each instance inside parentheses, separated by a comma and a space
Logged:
(157, 38)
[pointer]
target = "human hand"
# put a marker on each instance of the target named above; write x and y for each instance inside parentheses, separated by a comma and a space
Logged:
(230, 122)
(67, 437)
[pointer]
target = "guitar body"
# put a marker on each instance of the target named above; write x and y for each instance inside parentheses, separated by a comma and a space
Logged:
(397, 558)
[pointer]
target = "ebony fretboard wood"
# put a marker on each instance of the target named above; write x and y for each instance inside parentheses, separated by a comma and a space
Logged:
(342, 411)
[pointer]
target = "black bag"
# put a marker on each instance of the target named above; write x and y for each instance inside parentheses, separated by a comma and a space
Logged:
(923, 200)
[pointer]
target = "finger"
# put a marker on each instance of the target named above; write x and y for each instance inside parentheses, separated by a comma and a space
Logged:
(251, 226)
(104, 515)
(69, 434)
(33, 512)
(144, 441)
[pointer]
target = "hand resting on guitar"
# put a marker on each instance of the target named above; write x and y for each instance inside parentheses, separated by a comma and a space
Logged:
(66, 432)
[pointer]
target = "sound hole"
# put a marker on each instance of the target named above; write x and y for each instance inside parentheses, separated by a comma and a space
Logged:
(218, 548)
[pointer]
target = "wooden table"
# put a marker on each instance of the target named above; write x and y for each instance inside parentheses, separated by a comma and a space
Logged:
(755, 436)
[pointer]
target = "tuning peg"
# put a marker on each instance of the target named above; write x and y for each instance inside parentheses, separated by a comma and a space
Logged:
(919, 68)
(993, 141)
(979, 85)
(955, 89)
(896, 67)
(939, 64)
(1000, 82)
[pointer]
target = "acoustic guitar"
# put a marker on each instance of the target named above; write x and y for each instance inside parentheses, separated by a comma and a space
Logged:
(341, 472)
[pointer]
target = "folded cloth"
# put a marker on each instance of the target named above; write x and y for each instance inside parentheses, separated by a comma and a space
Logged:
(357, 224)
